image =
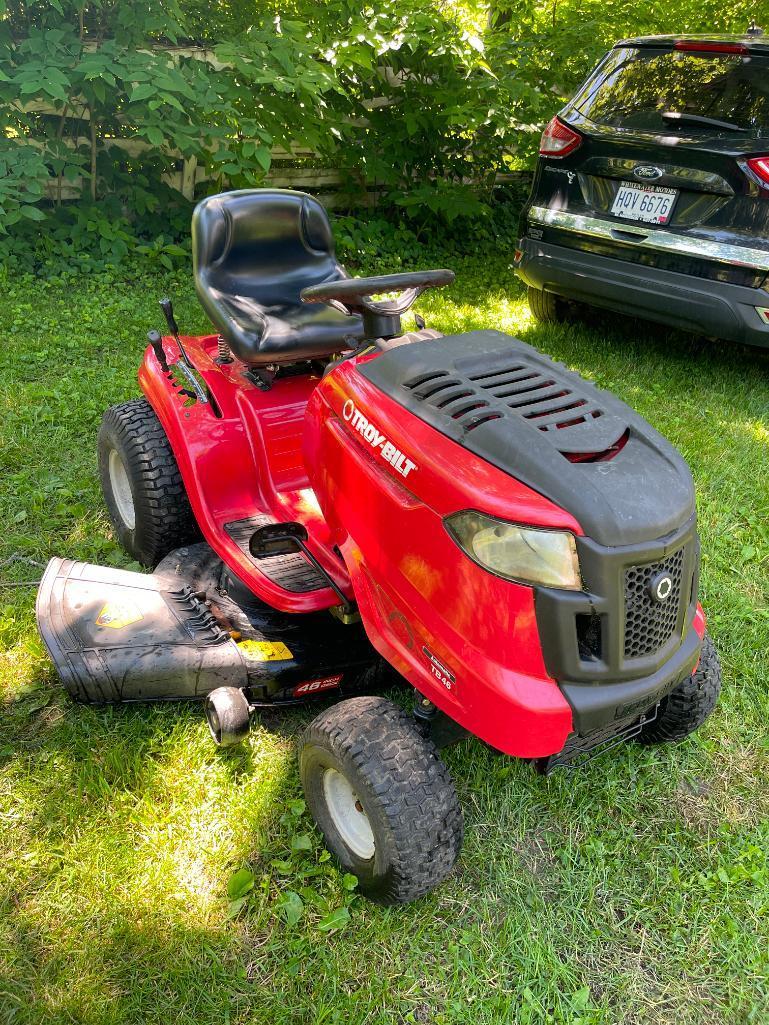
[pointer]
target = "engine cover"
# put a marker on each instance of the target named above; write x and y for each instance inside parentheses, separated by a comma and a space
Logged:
(581, 447)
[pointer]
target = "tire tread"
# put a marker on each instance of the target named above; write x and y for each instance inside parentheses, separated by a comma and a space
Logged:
(546, 307)
(164, 517)
(688, 706)
(412, 783)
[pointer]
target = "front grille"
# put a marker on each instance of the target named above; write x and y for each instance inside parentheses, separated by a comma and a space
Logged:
(650, 624)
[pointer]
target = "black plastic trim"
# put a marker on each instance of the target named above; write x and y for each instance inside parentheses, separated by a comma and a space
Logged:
(607, 686)
(685, 301)
(597, 705)
(292, 572)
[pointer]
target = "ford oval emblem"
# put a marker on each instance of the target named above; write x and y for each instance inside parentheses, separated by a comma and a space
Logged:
(648, 172)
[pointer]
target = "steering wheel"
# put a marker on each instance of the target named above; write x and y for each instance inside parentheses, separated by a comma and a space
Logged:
(353, 295)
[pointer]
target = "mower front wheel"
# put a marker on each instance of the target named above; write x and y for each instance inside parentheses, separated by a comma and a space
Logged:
(382, 798)
(689, 704)
(142, 485)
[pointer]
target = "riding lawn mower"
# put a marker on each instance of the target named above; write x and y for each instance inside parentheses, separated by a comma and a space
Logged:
(330, 505)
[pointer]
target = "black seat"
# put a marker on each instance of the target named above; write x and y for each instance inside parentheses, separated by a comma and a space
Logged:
(253, 252)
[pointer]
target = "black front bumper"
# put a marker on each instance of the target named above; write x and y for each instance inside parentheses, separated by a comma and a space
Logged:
(702, 305)
(615, 652)
(599, 705)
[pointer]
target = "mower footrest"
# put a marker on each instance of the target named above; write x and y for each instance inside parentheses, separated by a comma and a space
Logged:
(291, 572)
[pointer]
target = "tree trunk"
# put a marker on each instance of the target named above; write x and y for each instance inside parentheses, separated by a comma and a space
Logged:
(93, 157)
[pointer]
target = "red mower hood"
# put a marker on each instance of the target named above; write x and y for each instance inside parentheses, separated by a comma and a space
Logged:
(586, 451)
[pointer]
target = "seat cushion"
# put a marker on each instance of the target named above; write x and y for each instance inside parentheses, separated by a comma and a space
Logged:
(266, 334)
(253, 252)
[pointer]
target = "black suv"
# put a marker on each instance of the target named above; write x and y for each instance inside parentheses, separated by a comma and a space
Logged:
(651, 194)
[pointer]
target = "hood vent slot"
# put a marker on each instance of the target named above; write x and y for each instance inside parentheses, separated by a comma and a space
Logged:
(543, 425)
(550, 401)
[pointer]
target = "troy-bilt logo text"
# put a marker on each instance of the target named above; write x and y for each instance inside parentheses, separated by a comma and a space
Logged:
(377, 440)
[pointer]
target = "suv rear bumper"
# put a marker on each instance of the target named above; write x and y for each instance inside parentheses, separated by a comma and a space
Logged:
(691, 303)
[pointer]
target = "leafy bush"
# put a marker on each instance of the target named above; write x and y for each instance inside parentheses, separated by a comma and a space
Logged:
(422, 100)
(92, 238)
(65, 77)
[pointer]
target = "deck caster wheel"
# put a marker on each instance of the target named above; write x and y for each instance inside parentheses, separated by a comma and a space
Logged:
(382, 798)
(228, 716)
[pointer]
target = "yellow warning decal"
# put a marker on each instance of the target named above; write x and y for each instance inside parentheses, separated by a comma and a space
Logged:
(116, 615)
(265, 651)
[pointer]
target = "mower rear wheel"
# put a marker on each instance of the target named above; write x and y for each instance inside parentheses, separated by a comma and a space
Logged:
(546, 307)
(382, 798)
(228, 716)
(142, 485)
(689, 704)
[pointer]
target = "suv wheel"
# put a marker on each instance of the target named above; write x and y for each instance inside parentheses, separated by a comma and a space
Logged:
(546, 307)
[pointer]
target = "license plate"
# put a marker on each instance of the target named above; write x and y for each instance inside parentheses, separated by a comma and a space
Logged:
(644, 203)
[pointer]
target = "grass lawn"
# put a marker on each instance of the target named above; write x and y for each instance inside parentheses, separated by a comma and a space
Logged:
(636, 890)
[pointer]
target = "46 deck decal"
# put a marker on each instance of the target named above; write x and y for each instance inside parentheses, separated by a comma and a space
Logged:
(378, 441)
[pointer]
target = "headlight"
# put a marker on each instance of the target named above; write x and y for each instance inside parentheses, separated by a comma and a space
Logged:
(530, 556)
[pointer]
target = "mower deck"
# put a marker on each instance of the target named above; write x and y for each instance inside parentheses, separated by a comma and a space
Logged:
(183, 631)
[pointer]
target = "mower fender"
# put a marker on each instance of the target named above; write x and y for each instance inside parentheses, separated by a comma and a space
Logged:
(231, 468)
(700, 623)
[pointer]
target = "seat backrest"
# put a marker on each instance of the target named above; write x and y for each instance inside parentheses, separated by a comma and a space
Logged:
(267, 244)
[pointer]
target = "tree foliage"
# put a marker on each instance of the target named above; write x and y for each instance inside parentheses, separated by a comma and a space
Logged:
(73, 85)
(553, 45)
(424, 99)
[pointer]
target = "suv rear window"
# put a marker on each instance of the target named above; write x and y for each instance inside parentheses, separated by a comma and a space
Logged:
(635, 87)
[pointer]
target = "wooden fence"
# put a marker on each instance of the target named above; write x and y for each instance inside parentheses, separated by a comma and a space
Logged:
(295, 168)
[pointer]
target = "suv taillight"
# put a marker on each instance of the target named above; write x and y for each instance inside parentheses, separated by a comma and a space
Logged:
(558, 139)
(697, 46)
(760, 168)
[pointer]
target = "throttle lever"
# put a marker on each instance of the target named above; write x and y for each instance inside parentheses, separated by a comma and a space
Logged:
(153, 337)
(167, 307)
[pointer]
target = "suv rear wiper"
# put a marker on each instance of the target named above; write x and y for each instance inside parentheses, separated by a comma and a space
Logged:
(697, 119)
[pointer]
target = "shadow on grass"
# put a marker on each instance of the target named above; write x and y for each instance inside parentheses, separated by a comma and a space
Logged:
(128, 823)
(126, 828)
(626, 337)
